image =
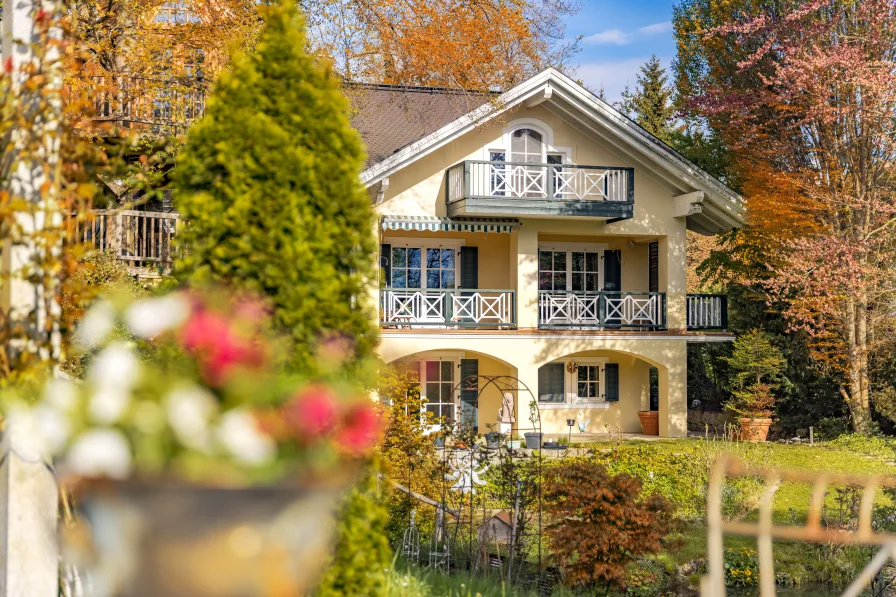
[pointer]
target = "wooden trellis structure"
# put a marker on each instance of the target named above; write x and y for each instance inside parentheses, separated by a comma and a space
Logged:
(765, 530)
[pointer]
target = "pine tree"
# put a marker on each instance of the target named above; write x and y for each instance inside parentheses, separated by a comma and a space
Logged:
(650, 104)
(269, 183)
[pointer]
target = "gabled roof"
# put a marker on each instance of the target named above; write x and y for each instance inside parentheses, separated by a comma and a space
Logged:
(721, 209)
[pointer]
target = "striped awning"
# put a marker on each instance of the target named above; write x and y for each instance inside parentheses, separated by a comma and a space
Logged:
(435, 224)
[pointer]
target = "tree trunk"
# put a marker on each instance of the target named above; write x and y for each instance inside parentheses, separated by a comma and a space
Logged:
(856, 393)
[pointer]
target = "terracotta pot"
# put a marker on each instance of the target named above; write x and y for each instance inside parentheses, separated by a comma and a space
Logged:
(135, 539)
(754, 430)
(650, 422)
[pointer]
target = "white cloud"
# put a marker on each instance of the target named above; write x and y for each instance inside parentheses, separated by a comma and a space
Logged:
(613, 75)
(656, 28)
(616, 37)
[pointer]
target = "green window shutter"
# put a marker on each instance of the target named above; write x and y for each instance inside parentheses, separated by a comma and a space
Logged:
(469, 388)
(386, 262)
(550, 383)
(653, 261)
(613, 270)
(611, 381)
(469, 267)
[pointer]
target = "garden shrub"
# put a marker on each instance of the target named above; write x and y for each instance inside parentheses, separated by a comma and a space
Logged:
(269, 182)
(598, 523)
(362, 558)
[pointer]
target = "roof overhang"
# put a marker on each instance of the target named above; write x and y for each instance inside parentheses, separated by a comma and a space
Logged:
(721, 209)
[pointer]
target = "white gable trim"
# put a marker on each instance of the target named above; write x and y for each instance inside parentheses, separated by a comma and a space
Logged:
(721, 204)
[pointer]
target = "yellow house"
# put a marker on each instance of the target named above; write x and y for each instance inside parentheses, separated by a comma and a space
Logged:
(539, 236)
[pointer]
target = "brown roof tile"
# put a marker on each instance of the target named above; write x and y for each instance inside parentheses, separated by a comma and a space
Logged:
(390, 117)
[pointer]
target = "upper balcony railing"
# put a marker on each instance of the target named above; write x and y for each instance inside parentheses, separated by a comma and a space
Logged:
(517, 188)
(156, 104)
(401, 307)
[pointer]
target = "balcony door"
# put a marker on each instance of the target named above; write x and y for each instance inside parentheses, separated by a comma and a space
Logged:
(417, 276)
(569, 279)
(437, 381)
(527, 147)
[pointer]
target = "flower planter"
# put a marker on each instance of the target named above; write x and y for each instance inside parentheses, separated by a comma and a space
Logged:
(492, 441)
(514, 444)
(138, 539)
(650, 422)
(754, 430)
(552, 446)
(533, 440)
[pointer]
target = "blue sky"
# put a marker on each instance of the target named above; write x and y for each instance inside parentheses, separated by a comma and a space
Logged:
(618, 37)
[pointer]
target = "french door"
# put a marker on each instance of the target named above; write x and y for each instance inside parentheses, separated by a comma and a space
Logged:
(568, 283)
(437, 382)
(424, 268)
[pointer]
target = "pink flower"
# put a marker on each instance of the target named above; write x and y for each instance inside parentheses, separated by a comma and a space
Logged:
(219, 348)
(311, 413)
(361, 428)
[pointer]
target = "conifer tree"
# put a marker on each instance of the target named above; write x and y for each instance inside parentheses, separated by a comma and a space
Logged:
(650, 105)
(269, 183)
(362, 556)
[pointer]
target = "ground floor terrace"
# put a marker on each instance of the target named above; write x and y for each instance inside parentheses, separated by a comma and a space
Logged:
(598, 382)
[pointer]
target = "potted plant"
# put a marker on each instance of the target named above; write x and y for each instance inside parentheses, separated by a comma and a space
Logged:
(492, 438)
(514, 442)
(533, 438)
(191, 452)
(757, 365)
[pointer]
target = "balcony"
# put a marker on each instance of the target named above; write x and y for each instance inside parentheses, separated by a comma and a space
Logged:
(456, 308)
(602, 310)
(707, 312)
(478, 188)
(143, 240)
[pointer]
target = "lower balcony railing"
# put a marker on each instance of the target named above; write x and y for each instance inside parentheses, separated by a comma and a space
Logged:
(639, 310)
(142, 239)
(448, 308)
(707, 311)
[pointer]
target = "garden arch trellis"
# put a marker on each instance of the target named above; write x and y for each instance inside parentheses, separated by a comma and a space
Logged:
(517, 388)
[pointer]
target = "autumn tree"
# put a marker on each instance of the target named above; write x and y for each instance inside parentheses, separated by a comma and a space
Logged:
(809, 107)
(599, 523)
(481, 45)
(650, 105)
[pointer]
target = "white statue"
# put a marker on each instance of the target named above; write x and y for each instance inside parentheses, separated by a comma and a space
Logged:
(505, 415)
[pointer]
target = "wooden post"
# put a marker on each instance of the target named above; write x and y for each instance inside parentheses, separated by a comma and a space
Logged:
(29, 554)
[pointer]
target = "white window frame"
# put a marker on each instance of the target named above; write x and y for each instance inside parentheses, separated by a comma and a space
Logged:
(570, 385)
(454, 358)
(570, 248)
(428, 243)
(547, 138)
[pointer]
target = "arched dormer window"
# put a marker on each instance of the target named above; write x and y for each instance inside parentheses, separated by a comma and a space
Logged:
(527, 141)
(527, 145)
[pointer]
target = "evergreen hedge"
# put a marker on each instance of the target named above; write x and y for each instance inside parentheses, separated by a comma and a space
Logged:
(269, 183)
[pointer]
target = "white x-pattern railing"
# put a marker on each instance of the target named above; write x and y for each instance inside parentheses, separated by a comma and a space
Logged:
(601, 309)
(566, 182)
(448, 307)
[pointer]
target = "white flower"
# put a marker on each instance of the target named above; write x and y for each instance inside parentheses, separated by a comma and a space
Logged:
(61, 394)
(36, 433)
(95, 325)
(240, 435)
(115, 366)
(100, 453)
(189, 412)
(150, 317)
(108, 403)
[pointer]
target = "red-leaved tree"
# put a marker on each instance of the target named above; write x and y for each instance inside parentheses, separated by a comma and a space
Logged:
(817, 107)
(599, 523)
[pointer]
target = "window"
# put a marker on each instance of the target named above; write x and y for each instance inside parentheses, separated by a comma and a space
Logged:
(584, 271)
(556, 173)
(551, 270)
(406, 267)
(175, 12)
(440, 268)
(588, 382)
(550, 383)
(497, 174)
(526, 145)
(438, 385)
